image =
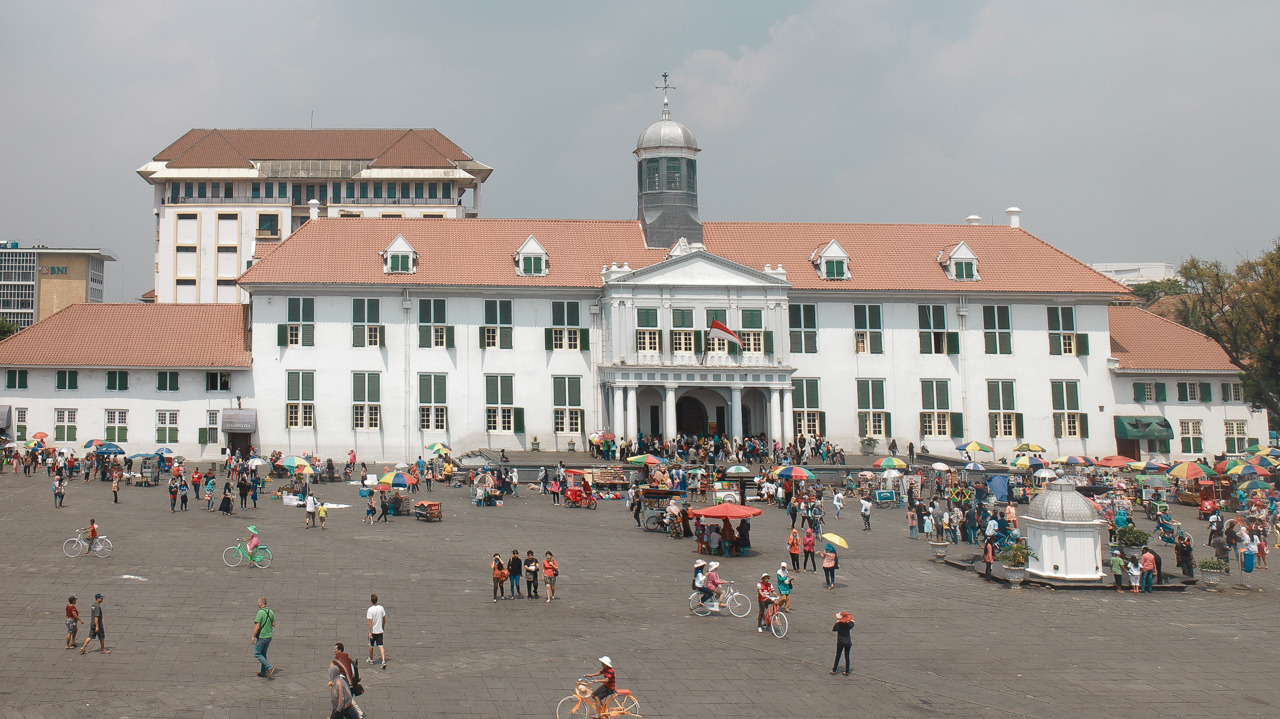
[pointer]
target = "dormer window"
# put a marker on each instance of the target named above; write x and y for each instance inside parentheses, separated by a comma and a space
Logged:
(399, 257)
(832, 262)
(961, 263)
(963, 270)
(531, 258)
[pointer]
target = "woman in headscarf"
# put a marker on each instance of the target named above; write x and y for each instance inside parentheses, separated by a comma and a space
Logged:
(793, 548)
(830, 563)
(844, 624)
(810, 542)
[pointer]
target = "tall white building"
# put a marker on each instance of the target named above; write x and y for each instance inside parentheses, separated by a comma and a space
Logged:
(221, 194)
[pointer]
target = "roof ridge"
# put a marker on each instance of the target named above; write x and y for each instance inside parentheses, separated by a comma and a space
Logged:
(1122, 287)
(199, 140)
(229, 143)
(1163, 319)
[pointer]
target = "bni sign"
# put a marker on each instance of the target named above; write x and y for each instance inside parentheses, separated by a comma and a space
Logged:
(53, 270)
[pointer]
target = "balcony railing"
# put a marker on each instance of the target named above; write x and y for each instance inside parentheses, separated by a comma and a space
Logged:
(234, 200)
(446, 201)
(710, 359)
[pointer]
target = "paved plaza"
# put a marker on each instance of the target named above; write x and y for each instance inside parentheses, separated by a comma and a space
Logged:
(930, 640)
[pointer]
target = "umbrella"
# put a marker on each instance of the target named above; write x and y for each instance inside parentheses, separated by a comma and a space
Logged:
(1253, 484)
(1028, 462)
(94, 443)
(33, 444)
(975, 467)
(1227, 465)
(385, 488)
(1190, 470)
(727, 511)
(39, 435)
(304, 469)
(940, 466)
(1249, 470)
(974, 446)
(1045, 474)
(1257, 448)
(293, 462)
(1072, 459)
(1147, 467)
(608, 436)
(574, 472)
(1269, 452)
(257, 462)
(793, 472)
(1115, 460)
(107, 449)
(648, 459)
(395, 479)
(889, 463)
(163, 450)
(11, 445)
(1153, 481)
(438, 448)
(738, 469)
(1028, 447)
(140, 455)
(401, 465)
(866, 475)
(891, 474)
(1267, 462)
(836, 539)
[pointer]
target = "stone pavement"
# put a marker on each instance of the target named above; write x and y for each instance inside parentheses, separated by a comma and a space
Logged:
(930, 640)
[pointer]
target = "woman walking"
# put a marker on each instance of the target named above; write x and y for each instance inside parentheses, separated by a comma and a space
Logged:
(499, 577)
(809, 543)
(844, 625)
(793, 548)
(830, 563)
(550, 570)
(555, 491)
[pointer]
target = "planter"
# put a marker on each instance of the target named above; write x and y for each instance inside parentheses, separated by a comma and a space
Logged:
(1015, 575)
(1211, 578)
(940, 550)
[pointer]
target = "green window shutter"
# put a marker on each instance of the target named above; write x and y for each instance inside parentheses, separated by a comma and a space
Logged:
(822, 424)
(558, 392)
(557, 312)
(877, 394)
(1186, 445)
(441, 389)
(670, 338)
(58, 434)
(1226, 391)
(1082, 345)
(1251, 441)
(22, 433)
(957, 424)
(202, 435)
(888, 424)
(374, 384)
(811, 393)
(122, 434)
(575, 391)
(1006, 343)
(173, 435)
(571, 314)
(993, 395)
(382, 335)
(659, 341)
(162, 437)
(1138, 394)
(491, 390)
(768, 343)
(697, 342)
(357, 335)
(1073, 396)
(358, 387)
(864, 419)
(1163, 446)
(491, 312)
(1084, 426)
(505, 338)
(357, 311)
(864, 394)
(549, 337)
(308, 309)
(926, 394)
(735, 349)
(993, 422)
(308, 332)
(506, 393)
(517, 419)
(124, 381)
(308, 386)
(295, 309)
(448, 336)
(1006, 393)
(1059, 397)
(504, 312)
(584, 339)
(876, 343)
(424, 389)
(1206, 392)
(990, 345)
(294, 387)
(797, 393)
(1182, 392)
(162, 381)
(372, 311)
(173, 381)
(1055, 343)
(637, 339)
(111, 434)
(424, 335)
(483, 332)
(926, 343)
(1057, 424)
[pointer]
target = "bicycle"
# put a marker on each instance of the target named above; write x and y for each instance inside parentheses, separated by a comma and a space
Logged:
(74, 547)
(581, 704)
(232, 556)
(775, 620)
(738, 603)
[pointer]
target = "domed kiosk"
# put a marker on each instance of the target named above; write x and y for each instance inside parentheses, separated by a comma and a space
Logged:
(1065, 532)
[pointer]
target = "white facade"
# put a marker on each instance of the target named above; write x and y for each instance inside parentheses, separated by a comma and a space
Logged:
(1136, 273)
(1206, 412)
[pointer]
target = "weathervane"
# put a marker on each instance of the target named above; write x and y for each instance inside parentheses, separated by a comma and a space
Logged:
(664, 87)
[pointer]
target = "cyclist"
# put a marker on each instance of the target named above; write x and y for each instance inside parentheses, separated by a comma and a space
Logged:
(700, 580)
(764, 596)
(607, 681)
(716, 585)
(252, 542)
(89, 534)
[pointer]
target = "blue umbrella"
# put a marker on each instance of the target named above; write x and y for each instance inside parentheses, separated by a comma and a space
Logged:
(164, 450)
(140, 455)
(975, 467)
(108, 449)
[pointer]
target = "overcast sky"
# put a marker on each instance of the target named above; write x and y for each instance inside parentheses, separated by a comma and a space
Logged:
(1125, 131)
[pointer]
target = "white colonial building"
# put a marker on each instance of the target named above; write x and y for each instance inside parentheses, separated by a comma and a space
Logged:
(385, 334)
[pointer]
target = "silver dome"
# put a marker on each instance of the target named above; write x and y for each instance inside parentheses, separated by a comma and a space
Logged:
(666, 133)
(1060, 502)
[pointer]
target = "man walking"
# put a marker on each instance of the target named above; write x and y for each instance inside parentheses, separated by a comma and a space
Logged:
(865, 504)
(96, 630)
(349, 671)
(377, 616)
(263, 623)
(312, 505)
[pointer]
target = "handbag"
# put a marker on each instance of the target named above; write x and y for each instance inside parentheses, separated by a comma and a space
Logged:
(357, 688)
(503, 575)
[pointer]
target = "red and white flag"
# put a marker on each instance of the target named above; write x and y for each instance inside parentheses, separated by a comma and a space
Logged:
(719, 332)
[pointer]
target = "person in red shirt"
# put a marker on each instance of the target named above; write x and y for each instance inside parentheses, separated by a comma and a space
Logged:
(764, 597)
(607, 686)
(73, 622)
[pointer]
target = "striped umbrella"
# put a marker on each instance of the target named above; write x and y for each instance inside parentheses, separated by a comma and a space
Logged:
(889, 463)
(793, 472)
(1115, 461)
(975, 467)
(1073, 459)
(974, 446)
(738, 469)
(648, 459)
(1029, 447)
(1147, 467)
(1255, 485)
(1227, 465)
(1249, 470)
(438, 448)
(395, 479)
(1190, 470)
(1026, 461)
(292, 463)
(1267, 462)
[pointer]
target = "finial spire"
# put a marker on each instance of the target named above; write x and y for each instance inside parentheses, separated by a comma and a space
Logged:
(664, 87)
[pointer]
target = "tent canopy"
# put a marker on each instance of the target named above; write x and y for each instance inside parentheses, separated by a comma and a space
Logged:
(1134, 427)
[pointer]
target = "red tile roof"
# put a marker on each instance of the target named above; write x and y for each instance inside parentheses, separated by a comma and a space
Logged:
(1145, 341)
(389, 147)
(478, 252)
(134, 335)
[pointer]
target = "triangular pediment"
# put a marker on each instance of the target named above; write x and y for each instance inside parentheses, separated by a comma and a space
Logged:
(531, 246)
(399, 244)
(961, 252)
(699, 269)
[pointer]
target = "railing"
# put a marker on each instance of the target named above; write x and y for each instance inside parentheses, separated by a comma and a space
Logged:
(445, 201)
(235, 200)
(710, 359)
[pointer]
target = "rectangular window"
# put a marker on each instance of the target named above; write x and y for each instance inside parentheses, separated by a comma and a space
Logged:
(752, 342)
(401, 262)
(1004, 420)
(753, 319)
(1063, 338)
(366, 399)
(202, 189)
(117, 380)
(934, 337)
(446, 190)
(208, 434)
(15, 379)
(1232, 392)
(682, 341)
(351, 190)
(433, 402)
(300, 410)
(1192, 436)
(501, 414)
(834, 269)
(963, 270)
(646, 317)
(648, 338)
(681, 319)
(497, 330)
(300, 330)
(716, 345)
(1068, 420)
(166, 381)
(68, 379)
(804, 328)
(377, 190)
(20, 423)
(564, 333)
(217, 381)
(532, 265)
(997, 338)
(673, 173)
(868, 337)
(1144, 392)
(433, 327)
(1195, 392)
(935, 401)
(64, 425)
(1237, 442)
(567, 404)
(807, 417)
(872, 420)
(651, 170)
(365, 328)
(117, 425)
(166, 426)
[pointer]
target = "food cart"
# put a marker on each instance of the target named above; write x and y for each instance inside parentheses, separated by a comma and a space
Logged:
(654, 506)
(428, 511)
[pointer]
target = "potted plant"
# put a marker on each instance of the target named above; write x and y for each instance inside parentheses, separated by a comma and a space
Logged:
(1132, 538)
(1015, 558)
(1211, 570)
(939, 550)
(868, 445)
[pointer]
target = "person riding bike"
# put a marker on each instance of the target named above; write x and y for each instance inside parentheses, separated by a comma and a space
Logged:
(716, 585)
(765, 596)
(89, 535)
(700, 580)
(607, 681)
(252, 542)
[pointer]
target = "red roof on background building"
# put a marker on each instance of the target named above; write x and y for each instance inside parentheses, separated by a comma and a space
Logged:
(1145, 341)
(387, 148)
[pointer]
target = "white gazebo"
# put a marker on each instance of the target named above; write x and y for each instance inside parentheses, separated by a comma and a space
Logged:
(1066, 533)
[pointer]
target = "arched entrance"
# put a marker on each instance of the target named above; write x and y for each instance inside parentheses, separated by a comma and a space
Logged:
(691, 416)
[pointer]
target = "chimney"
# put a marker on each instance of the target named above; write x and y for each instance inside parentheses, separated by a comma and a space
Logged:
(313, 206)
(973, 220)
(1013, 213)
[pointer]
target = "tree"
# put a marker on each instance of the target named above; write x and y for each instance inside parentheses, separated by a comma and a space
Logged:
(1152, 291)
(7, 328)
(1240, 310)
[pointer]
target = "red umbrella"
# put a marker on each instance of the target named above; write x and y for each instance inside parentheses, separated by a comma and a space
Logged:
(574, 471)
(1114, 460)
(39, 435)
(608, 436)
(727, 511)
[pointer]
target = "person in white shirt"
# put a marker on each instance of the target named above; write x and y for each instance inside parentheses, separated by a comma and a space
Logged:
(865, 510)
(377, 617)
(312, 505)
(838, 502)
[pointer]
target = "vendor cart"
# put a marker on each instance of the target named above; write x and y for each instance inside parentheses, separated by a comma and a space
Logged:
(884, 498)
(428, 511)
(654, 503)
(575, 497)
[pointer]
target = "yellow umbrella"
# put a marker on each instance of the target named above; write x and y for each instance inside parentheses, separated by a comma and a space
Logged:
(836, 539)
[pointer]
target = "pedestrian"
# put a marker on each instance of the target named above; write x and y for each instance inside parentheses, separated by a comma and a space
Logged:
(844, 624)
(386, 506)
(350, 671)
(173, 494)
(499, 577)
(311, 505)
(793, 548)
(515, 568)
(764, 597)
(865, 511)
(73, 622)
(989, 556)
(253, 490)
(322, 512)
(1183, 551)
(784, 588)
(911, 452)
(115, 489)
(263, 624)
(555, 491)
(340, 696)
(838, 502)
(1147, 565)
(893, 447)
(183, 491)
(911, 521)
(532, 570)
(369, 510)
(377, 616)
(59, 492)
(830, 563)
(1117, 571)
(550, 570)
(96, 630)
(810, 542)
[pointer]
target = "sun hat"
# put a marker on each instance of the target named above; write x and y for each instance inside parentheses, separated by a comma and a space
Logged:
(844, 616)
(712, 566)
(700, 563)
(252, 528)
(605, 660)
(764, 576)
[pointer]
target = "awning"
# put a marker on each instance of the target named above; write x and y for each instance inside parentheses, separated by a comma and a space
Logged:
(1131, 427)
(6, 417)
(242, 420)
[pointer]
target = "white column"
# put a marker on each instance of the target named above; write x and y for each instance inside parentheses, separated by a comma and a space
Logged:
(788, 424)
(735, 412)
(775, 427)
(633, 415)
(669, 413)
(618, 429)
(475, 197)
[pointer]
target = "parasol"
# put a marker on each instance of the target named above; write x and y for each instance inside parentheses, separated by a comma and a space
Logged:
(727, 511)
